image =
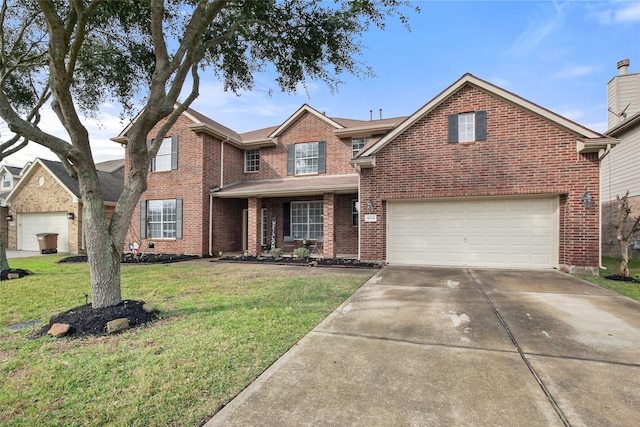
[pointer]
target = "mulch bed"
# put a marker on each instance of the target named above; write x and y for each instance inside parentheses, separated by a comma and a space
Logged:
(13, 272)
(621, 278)
(312, 262)
(144, 258)
(86, 320)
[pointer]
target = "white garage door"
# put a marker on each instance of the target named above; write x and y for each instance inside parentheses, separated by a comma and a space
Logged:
(514, 233)
(30, 224)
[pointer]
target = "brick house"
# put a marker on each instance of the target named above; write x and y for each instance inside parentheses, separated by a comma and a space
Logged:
(9, 177)
(47, 200)
(292, 184)
(478, 177)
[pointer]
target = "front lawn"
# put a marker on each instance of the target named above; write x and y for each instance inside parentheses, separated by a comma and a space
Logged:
(221, 326)
(630, 289)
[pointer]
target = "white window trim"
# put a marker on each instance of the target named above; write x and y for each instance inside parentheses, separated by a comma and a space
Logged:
(363, 140)
(296, 158)
(308, 224)
(263, 227)
(466, 130)
(162, 221)
(163, 155)
(246, 161)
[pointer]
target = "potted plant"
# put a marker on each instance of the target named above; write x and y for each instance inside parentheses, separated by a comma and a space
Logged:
(151, 244)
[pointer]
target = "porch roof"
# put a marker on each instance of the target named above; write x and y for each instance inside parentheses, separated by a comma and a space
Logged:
(291, 186)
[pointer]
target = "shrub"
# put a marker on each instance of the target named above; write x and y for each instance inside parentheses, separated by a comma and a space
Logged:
(277, 253)
(301, 252)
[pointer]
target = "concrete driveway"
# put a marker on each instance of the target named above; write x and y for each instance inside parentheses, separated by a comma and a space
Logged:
(464, 347)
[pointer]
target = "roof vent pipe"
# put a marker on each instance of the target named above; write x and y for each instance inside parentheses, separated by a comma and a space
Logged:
(381, 114)
(623, 66)
(370, 115)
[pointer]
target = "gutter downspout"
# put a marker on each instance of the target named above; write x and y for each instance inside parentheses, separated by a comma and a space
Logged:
(210, 224)
(600, 157)
(211, 197)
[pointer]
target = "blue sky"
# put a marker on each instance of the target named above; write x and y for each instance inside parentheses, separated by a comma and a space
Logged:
(557, 54)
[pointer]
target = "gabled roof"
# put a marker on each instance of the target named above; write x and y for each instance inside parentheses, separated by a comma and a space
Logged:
(631, 123)
(469, 79)
(301, 111)
(111, 183)
(201, 123)
(13, 170)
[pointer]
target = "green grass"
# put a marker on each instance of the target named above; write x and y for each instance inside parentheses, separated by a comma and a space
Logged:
(629, 289)
(222, 325)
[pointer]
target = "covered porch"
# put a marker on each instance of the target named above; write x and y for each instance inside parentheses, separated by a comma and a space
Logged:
(319, 213)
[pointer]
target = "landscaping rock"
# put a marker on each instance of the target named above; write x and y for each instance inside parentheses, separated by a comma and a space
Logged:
(58, 330)
(14, 273)
(149, 308)
(118, 325)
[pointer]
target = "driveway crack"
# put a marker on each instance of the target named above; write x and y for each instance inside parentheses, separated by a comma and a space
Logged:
(523, 356)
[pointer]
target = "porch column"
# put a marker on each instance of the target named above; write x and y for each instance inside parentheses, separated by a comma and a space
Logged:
(253, 227)
(328, 212)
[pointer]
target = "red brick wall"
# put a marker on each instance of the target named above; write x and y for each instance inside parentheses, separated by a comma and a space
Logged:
(346, 235)
(523, 154)
(308, 128)
(198, 171)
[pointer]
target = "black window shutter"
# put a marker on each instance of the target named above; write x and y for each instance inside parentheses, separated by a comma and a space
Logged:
(153, 161)
(179, 219)
(291, 159)
(453, 128)
(174, 152)
(286, 219)
(322, 156)
(481, 125)
(143, 219)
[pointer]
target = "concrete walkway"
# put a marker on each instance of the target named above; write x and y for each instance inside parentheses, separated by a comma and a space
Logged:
(22, 254)
(464, 347)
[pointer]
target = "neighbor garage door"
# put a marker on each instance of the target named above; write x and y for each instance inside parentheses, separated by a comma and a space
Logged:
(513, 233)
(30, 224)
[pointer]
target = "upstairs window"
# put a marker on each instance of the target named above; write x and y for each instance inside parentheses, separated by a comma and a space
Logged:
(357, 144)
(252, 160)
(467, 127)
(167, 157)
(306, 158)
(7, 179)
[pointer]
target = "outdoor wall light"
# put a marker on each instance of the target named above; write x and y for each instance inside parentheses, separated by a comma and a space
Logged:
(370, 207)
(71, 215)
(587, 200)
(9, 217)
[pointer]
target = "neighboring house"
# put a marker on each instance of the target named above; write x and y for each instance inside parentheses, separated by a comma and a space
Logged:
(477, 177)
(9, 177)
(47, 200)
(620, 166)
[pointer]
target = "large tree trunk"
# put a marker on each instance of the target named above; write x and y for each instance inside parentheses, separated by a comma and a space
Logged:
(623, 270)
(102, 253)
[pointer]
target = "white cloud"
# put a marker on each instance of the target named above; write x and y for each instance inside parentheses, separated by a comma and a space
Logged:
(575, 71)
(630, 13)
(538, 29)
(100, 130)
(618, 12)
